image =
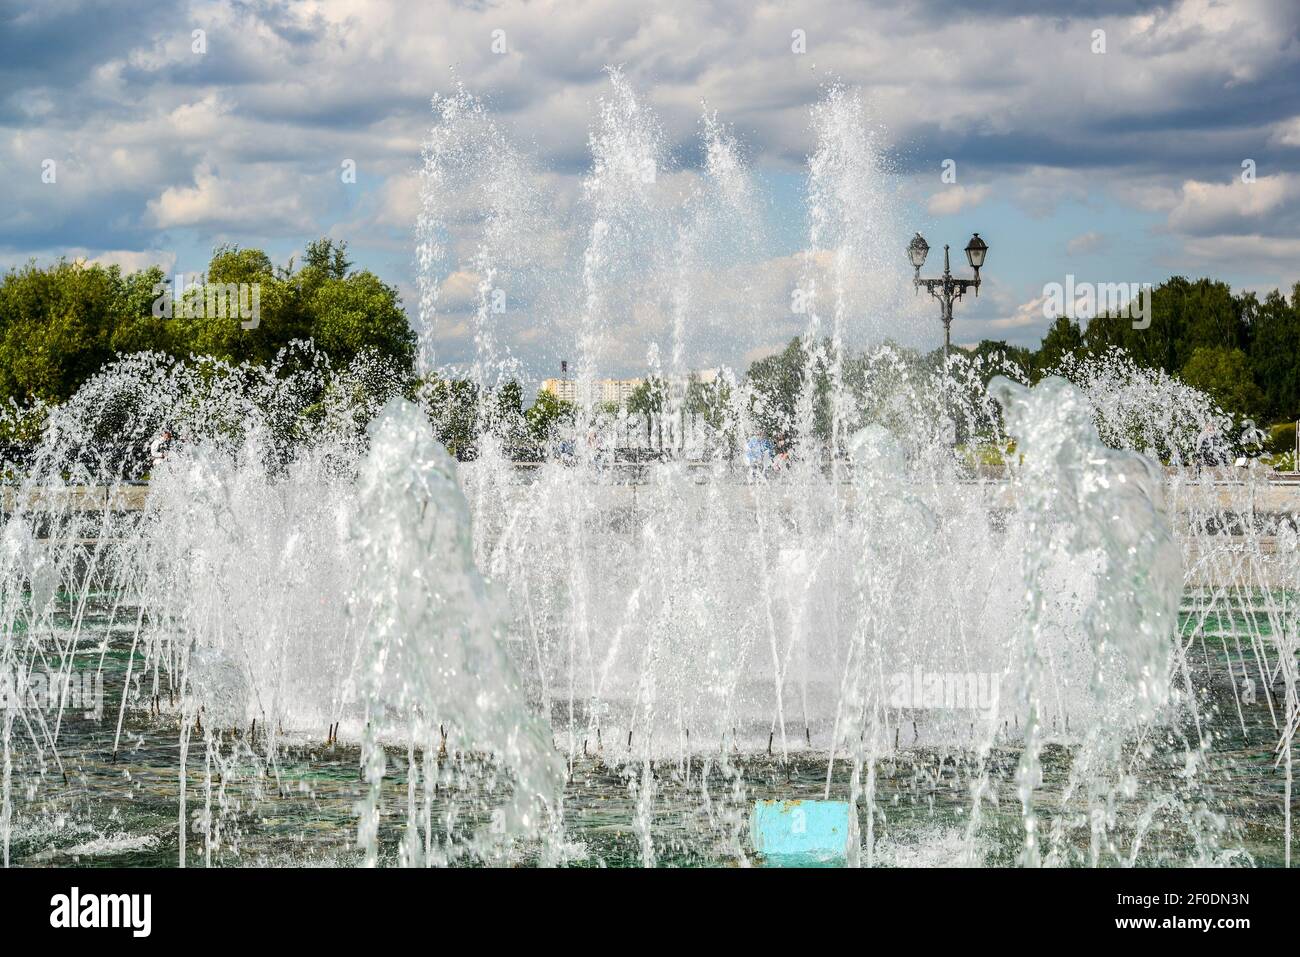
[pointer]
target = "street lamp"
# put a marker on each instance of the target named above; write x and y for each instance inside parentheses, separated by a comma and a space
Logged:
(949, 288)
(917, 250)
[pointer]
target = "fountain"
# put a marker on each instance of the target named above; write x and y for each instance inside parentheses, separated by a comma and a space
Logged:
(320, 639)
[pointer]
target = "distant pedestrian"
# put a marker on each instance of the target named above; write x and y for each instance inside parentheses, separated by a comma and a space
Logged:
(1210, 449)
(161, 446)
(758, 455)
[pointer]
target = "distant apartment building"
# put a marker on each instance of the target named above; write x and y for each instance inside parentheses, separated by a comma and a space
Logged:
(565, 390)
(618, 391)
(607, 390)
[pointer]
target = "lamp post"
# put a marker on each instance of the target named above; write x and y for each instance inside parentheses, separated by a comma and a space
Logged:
(947, 289)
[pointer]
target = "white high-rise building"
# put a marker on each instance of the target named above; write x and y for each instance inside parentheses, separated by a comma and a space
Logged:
(607, 390)
(620, 390)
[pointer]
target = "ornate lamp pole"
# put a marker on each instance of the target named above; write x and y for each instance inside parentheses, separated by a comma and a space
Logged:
(949, 288)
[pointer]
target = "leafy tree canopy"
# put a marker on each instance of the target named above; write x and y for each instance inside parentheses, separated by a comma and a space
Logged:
(60, 324)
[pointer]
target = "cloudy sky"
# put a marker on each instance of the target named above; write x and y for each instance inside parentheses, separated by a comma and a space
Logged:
(1174, 151)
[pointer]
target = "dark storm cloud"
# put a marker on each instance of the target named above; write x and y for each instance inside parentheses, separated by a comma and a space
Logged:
(61, 40)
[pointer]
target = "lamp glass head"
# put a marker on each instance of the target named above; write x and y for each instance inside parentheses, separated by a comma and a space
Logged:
(917, 250)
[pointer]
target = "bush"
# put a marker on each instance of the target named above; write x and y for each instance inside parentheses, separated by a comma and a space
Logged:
(1281, 438)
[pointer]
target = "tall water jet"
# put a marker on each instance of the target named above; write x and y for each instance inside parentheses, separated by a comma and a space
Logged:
(480, 204)
(851, 231)
(434, 663)
(622, 193)
(1095, 515)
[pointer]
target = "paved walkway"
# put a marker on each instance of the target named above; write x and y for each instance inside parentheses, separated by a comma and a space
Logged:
(1271, 493)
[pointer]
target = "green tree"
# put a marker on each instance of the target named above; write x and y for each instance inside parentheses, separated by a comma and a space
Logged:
(709, 400)
(778, 381)
(56, 327)
(991, 355)
(547, 414)
(507, 421)
(1274, 351)
(453, 408)
(359, 312)
(343, 313)
(1212, 318)
(1224, 375)
(1104, 333)
(1063, 339)
(62, 323)
(279, 321)
(328, 257)
(649, 397)
(136, 328)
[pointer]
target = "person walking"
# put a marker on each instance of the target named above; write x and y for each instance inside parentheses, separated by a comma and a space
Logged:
(161, 446)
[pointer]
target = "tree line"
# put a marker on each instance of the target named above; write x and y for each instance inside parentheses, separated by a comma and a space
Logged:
(1242, 351)
(60, 324)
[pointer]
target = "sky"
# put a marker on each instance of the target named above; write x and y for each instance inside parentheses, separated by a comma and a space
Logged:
(1111, 140)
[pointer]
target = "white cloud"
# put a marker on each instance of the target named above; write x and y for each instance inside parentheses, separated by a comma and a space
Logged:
(400, 201)
(1253, 254)
(953, 199)
(1026, 314)
(264, 202)
(203, 119)
(1286, 133)
(1089, 242)
(133, 260)
(129, 260)
(1237, 206)
(458, 292)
